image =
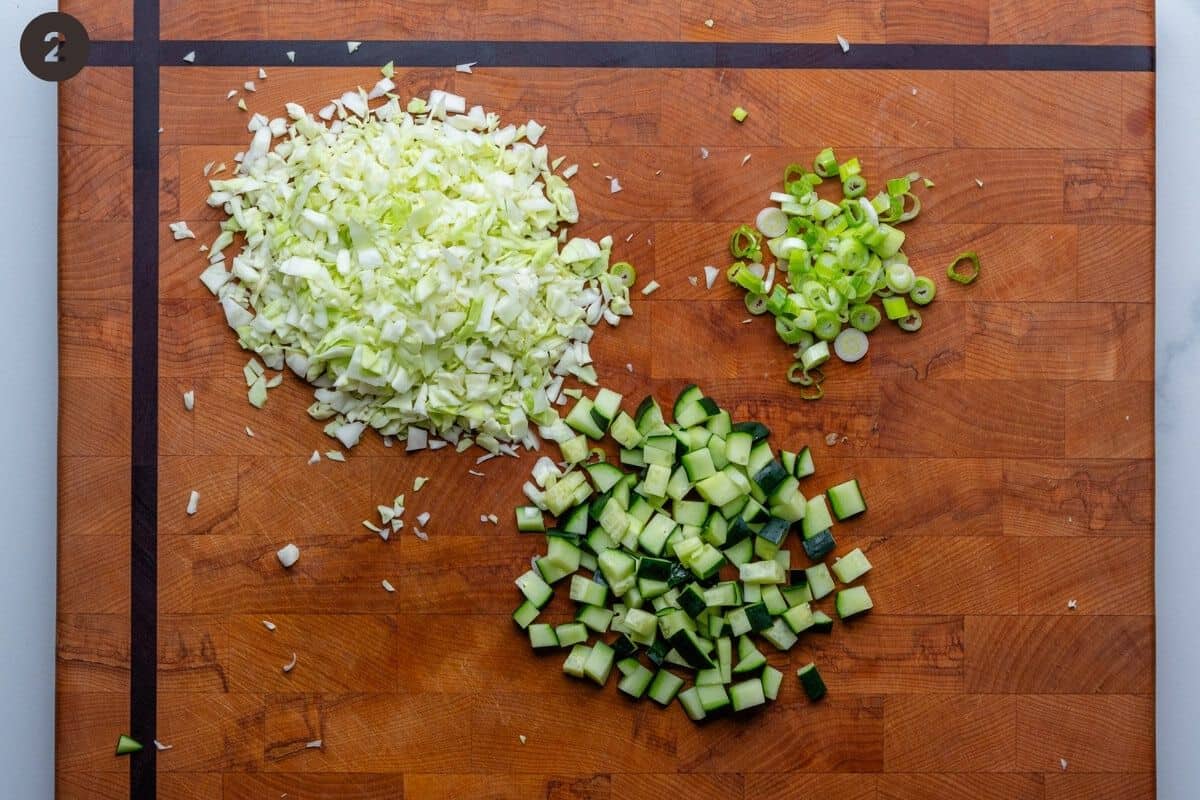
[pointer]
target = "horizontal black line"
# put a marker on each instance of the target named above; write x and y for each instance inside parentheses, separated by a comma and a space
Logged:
(110, 54)
(681, 55)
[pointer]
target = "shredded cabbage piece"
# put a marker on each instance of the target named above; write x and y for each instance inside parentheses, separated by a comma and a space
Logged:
(406, 262)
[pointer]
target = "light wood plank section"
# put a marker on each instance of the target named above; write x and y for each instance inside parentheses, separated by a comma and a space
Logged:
(1055, 498)
(1080, 729)
(1055, 654)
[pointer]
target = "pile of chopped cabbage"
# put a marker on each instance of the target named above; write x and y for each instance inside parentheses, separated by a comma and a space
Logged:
(412, 264)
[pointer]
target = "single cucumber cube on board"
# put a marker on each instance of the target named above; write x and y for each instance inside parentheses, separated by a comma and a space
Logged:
(804, 464)
(641, 624)
(550, 570)
(811, 680)
(580, 418)
(851, 566)
(725, 658)
(525, 614)
(846, 499)
(636, 680)
(820, 582)
(599, 663)
(772, 597)
(535, 589)
(713, 697)
(799, 618)
(780, 635)
(690, 700)
(854, 600)
(575, 449)
(577, 660)
(751, 593)
(586, 590)
(795, 595)
(772, 679)
(529, 519)
(762, 572)
(747, 694)
(816, 517)
(570, 633)
(624, 431)
(758, 616)
(749, 658)
(542, 635)
(623, 647)
(819, 545)
(664, 687)
(596, 618)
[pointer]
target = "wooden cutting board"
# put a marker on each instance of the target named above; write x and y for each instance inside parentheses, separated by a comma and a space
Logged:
(1006, 450)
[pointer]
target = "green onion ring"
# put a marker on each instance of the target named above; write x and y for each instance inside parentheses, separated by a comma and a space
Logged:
(624, 272)
(803, 343)
(743, 242)
(812, 377)
(865, 317)
(835, 225)
(923, 291)
(911, 213)
(794, 172)
(825, 163)
(756, 303)
(734, 268)
(964, 277)
(854, 211)
(787, 330)
(816, 393)
(828, 326)
(900, 278)
(854, 186)
(912, 323)
(597, 456)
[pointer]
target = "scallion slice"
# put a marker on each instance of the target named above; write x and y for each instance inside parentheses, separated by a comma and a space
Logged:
(744, 243)
(815, 356)
(800, 376)
(911, 323)
(900, 278)
(826, 164)
(756, 303)
(771, 222)
(972, 259)
(624, 272)
(814, 392)
(828, 326)
(850, 345)
(923, 291)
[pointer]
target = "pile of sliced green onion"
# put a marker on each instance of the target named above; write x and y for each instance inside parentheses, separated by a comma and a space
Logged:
(412, 262)
(838, 257)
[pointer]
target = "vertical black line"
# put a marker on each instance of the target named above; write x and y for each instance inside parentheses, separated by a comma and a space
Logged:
(143, 573)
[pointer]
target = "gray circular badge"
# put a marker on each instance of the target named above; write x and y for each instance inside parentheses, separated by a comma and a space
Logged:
(54, 46)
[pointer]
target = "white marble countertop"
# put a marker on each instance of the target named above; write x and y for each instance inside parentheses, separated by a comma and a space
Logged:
(28, 349)
(1177, 423)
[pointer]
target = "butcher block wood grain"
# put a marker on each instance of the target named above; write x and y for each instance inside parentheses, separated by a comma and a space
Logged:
(1006, 450)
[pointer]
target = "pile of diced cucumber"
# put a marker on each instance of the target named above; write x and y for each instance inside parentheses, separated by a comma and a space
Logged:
(677, 557)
